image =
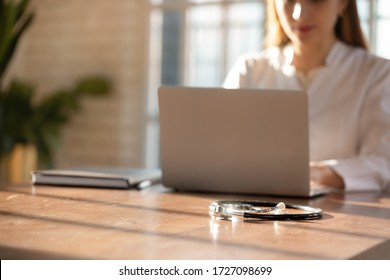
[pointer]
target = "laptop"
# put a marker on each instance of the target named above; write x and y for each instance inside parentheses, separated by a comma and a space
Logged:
(249, 141)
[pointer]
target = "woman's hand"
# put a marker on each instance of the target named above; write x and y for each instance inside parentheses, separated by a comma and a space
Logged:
(325, 175)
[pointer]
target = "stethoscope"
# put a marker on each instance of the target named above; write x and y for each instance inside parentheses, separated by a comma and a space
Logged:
(261, 210)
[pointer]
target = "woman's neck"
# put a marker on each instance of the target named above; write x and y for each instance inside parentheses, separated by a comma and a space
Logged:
(308, 57)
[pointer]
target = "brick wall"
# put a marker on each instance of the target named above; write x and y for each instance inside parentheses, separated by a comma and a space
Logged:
(74, 38)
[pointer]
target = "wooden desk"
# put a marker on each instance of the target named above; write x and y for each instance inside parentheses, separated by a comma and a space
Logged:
(81, 223)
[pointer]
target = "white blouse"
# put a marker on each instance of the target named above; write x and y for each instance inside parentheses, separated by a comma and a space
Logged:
(349, 108)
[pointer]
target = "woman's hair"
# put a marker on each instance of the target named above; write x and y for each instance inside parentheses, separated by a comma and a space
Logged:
(347, 29)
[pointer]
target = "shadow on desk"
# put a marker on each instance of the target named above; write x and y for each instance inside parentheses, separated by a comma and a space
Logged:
(364, 204)
(79, 223)
(10, 253)
(357, 203)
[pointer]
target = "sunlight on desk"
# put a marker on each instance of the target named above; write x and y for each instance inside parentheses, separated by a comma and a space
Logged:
(85, 223)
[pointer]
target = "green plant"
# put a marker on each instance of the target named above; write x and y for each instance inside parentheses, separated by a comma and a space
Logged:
(26, 121)
(23, 118)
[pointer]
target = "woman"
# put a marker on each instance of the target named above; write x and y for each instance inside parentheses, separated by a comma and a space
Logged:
(318, 45)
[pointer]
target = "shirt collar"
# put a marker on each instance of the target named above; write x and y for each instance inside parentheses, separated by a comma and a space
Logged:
(331, 58)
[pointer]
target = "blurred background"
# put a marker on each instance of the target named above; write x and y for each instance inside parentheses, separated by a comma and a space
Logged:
(139, 45)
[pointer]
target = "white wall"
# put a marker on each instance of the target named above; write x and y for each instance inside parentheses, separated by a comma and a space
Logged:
(74, 38)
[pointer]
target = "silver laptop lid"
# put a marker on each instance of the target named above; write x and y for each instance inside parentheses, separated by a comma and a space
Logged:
(236, 141)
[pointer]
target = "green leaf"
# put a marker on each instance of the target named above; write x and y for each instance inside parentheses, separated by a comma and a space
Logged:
(93, 86)
(7, 24)
(21, 8)
(13, 23)
(16, 114)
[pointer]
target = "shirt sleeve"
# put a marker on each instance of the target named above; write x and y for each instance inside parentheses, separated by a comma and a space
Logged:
(370, 169)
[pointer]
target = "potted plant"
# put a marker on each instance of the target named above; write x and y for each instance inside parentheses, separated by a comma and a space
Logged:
(30, 128)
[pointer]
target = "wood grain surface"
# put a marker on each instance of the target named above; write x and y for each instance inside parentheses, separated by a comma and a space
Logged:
(47, 222)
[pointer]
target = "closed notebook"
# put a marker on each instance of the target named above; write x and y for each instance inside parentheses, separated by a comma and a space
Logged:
(98, 177)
